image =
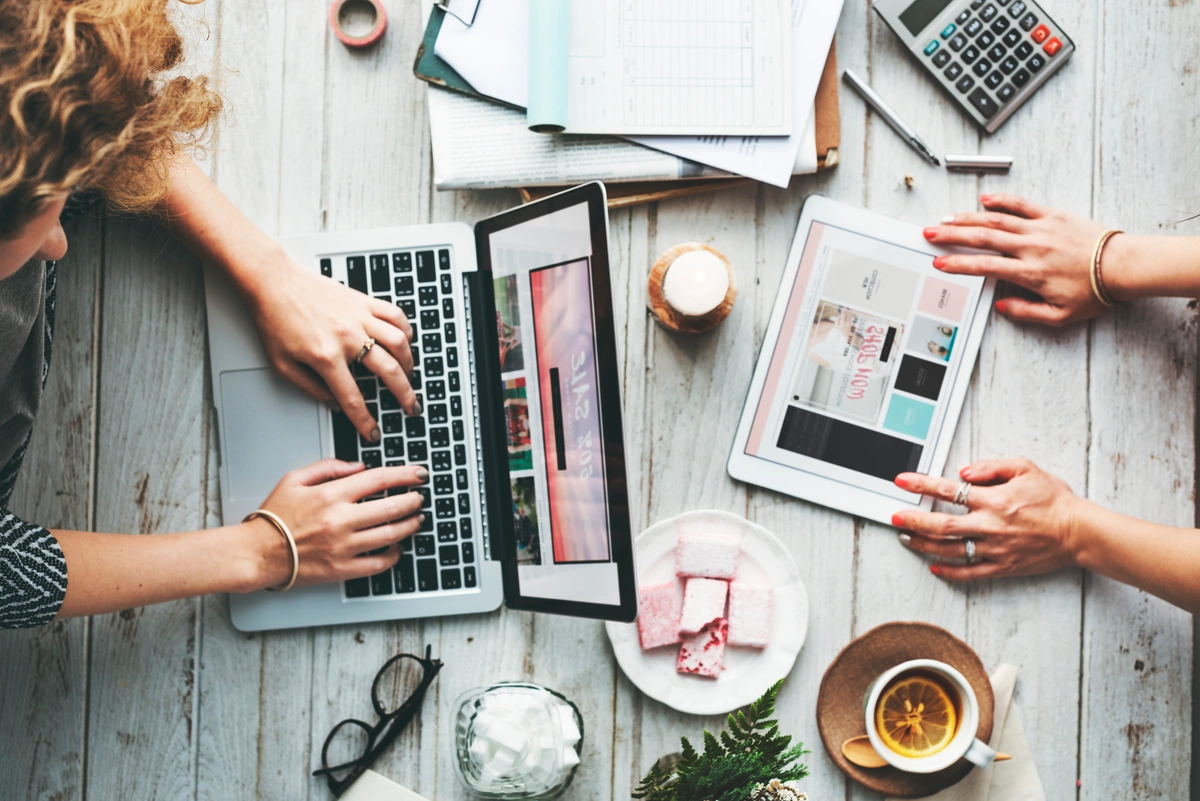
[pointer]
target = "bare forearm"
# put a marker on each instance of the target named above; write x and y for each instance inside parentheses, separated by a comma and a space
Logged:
(1152, 266)
(108, 572)
(1162, 560)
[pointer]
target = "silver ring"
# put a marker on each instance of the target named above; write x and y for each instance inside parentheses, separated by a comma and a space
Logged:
(970, 543)
(960, 497)
(366, 348)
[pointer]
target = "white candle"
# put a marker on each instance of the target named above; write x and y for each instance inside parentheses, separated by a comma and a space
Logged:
(695, 283)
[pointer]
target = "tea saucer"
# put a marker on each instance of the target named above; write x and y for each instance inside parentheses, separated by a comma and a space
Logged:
(748, 671)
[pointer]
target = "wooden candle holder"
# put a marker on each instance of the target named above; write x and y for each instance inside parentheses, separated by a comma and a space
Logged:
(672, 319)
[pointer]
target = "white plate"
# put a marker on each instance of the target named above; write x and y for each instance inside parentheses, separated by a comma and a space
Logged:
(748, 671)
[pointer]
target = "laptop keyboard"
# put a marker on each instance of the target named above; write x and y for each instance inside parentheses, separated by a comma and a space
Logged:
(441, 555)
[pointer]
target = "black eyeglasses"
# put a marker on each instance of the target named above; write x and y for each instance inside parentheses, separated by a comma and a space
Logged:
(404, 676)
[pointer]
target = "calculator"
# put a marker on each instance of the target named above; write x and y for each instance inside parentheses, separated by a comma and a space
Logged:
(989, 55)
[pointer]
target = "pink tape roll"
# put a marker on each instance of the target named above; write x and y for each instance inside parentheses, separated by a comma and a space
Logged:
(371, 37)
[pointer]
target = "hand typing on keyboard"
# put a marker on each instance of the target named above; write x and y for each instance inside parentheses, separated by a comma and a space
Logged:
(337, 537)
(313, 329)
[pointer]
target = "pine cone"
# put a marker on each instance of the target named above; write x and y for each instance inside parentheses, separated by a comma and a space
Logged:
(776, 790)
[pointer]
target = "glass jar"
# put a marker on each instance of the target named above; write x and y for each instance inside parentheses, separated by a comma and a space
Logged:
(515, 740)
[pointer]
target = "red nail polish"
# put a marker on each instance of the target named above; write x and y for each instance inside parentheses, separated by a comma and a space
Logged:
(901, 482)
(985, 199)
(939, 262)
(935, 570)
(965, 473)
(898, 520)
(1002, 306)
(930, 233)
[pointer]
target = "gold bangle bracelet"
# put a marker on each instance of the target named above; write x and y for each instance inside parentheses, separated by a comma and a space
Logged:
(1098, 288)
(283, 529)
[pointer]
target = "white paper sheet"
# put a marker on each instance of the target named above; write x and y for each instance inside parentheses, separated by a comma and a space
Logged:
(713, 67)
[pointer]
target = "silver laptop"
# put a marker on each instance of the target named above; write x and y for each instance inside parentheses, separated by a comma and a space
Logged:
(516, 373)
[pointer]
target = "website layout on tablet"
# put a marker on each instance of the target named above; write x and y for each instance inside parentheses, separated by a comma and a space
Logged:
(544, 316)
(862, 370)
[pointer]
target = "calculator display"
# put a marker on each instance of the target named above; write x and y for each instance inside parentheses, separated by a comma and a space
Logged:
(921, 13)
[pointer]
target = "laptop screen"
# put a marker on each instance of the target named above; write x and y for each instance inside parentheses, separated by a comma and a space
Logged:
(562, 426)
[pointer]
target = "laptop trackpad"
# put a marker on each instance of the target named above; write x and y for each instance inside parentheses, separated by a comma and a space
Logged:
(268, 428)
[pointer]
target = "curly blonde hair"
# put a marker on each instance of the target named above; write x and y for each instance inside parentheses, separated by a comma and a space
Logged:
(88, 101)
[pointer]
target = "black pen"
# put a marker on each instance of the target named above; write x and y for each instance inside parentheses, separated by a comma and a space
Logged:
(891, 117)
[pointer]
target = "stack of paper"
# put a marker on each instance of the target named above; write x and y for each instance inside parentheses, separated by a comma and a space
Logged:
(723, 83)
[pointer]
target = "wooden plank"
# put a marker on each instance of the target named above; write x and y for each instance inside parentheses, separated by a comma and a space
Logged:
(43, 695)
(1137, 656)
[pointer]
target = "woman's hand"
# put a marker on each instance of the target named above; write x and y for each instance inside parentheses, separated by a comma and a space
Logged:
(1046, 251)
(337, 537)
(313, 329)
(1021, 518)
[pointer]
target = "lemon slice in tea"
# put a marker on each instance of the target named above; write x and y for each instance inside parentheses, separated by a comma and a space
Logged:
(915, 717)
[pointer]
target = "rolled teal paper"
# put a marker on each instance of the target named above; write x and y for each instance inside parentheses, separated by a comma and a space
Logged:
(549, 27)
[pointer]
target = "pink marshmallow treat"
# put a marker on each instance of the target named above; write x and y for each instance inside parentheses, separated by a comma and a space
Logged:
(658, 615)
(703, 603)
(707, 554)
(750, 614)
(704, 654)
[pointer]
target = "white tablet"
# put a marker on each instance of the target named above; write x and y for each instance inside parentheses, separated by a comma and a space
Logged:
(864, 366)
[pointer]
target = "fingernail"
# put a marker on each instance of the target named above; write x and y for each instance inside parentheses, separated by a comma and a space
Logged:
(422, 474)
(901, 482)
(421, 519)
(939, 262)
(948, 219)
(930, 233)
(1002, 306)
(898, 520)
(905, 539)
(965, 473)
(416, 410)
(375, 435)
(935, 570)
(985, 198)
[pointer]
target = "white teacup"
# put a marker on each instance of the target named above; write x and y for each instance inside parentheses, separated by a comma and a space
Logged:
(963, 744)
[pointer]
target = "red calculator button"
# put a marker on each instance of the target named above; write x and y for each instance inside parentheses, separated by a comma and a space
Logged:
(1053, 46)
(1040, 34)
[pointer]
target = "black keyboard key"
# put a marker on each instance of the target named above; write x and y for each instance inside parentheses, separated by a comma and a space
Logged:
(464, 503)
(427, 578)
(416, 354)
(431, 343)
(1005, 93)
(452, 357)
(395, 463)
(380, 274)
(327, 268)
(1001, 25)
(447, 531)
(426, 497)
(1023, 50)
(417, 452)
(981, 67)
(371, 459)
(994, 80)
(456, 406)
(455, 385)
(440, 438)
(988, 13)
(406, 545)
(387, 401)
(958, 42)
(356, 273)
(448, 308)
(942, 58)
(1008, 65)
(975, 4)
(447, 284)
(451, 334)
(434, 367)
(414, 427)
(457, 427)
(469, 576)
(983, 103)
(405, 581)
(427, 296)
(429, 318)
(358, 588)
(965, 83)
(460, 478)
(393, 448)
(1036, 63)
(360, 370)
(408, 307)
(414, 380)
(451, 580)
(443, 484)
(1018, 8)
(448, 555)
(345, 438)
(426, 526)
(460, 455)
(444, 508)
(444, 259)
(970, 54)
(997, 52)
(404, 286)
(436, 390)
(953, 71)
(381, 583)
(402, 262)
(425, 545)
(1003, 3)
(1011, 39)
(963, 16)
(441, 460)
(973, 27)
(1020, 78)
(985, 40)
(1028, 22)
(425, 269)
(464, 528)
(437, 413)
(393, 423)
(468, 553)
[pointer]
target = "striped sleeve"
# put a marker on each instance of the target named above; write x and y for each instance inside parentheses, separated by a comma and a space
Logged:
(33, 574)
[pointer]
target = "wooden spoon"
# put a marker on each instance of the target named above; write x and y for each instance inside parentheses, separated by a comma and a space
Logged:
(860, 752)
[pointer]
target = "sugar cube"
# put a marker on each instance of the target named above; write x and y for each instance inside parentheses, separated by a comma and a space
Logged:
(658, 615)
(704, 653)
(750, 614)
(707, 554)
(703, 602)
(569, 757)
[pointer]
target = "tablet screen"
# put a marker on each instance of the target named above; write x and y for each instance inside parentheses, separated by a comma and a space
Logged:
(562, 428)
(860, 376)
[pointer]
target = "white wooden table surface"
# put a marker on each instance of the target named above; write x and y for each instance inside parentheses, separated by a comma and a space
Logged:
(171, 702)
